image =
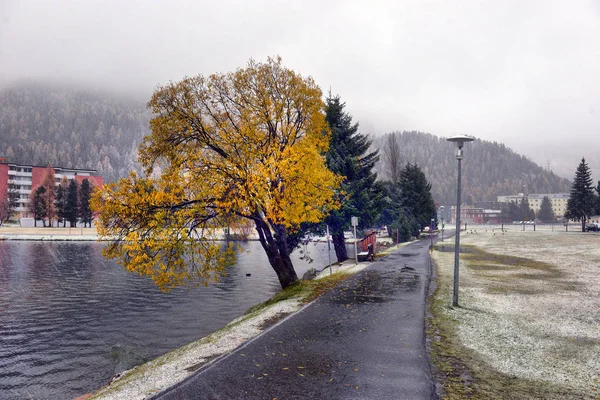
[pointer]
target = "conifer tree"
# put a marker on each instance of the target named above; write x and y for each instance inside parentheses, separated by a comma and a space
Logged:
(4, 212)
(546, 214)
(416, 197)
(85, 212)
(582, 203)
(72, 205)
(37, 205)
(61, 200)
(49, 184)
(597, 212)
(349, 156)
(13, 198)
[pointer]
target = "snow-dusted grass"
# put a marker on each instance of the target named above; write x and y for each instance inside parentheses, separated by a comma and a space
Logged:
(529, 309)
(157, 375)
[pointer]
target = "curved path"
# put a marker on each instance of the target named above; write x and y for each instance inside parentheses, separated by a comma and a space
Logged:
(363, 340)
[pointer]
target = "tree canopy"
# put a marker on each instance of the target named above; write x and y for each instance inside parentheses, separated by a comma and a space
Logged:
(349, 156)
(49, 184)
(582, 202)
(246, 145)
(546, 214)
(416, 194)
(85, 212)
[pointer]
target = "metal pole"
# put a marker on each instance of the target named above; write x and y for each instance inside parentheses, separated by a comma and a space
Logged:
(457, 236)
(329, 250)
(442, 229)
(355, 245)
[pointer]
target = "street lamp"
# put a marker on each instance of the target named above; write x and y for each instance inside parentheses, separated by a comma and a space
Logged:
(442, 220)
(459, 141)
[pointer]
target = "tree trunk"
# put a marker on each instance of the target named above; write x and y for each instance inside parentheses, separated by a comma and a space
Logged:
(583, 224)
(277, 251)
(339, 244)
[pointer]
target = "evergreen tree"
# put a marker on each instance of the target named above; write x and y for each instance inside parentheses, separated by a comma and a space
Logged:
(598, 199)
(72, 206)
(525, 212)
(61, 200)
(546, 214)
(511, 212)
(4, 212)
(416, 197)
(582, 202)
(85, 212)
(349, 156)
(37, 205)
(49, 184)
(13, 198)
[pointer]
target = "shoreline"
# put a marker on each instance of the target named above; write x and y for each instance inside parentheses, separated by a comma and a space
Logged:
(156, 375)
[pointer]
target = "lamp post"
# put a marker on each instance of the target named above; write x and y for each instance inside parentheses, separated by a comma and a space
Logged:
(459, 141)
(442, 220)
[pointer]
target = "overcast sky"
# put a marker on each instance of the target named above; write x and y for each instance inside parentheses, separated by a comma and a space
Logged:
(525, 73)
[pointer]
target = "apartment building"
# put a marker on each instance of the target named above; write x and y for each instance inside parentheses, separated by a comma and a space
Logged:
(26, 178)
(557, 200)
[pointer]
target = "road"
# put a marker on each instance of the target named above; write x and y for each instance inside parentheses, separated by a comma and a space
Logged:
(363, 340)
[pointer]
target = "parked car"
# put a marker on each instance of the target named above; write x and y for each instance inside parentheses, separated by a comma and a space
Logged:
(593, 227)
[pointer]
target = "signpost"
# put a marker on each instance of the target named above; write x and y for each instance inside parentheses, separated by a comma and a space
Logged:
(329, 250)
(354, 221)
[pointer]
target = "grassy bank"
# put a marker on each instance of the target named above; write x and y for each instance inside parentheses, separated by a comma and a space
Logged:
(162, 372)
(528, 325)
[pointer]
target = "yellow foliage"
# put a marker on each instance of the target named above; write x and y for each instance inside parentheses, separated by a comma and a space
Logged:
(246, 144)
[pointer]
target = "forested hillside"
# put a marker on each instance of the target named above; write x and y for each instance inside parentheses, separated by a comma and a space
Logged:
(488, 168)
(43, 125)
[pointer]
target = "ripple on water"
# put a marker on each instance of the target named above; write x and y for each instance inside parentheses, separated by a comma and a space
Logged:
(69, 319)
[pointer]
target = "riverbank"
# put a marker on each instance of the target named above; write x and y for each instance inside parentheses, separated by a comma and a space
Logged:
(48, 234)
(165, 371)
(528, 324)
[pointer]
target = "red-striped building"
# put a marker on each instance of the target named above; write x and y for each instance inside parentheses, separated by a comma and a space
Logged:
(25, 178)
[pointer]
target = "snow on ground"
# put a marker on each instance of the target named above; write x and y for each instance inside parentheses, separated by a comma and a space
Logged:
(532, 320)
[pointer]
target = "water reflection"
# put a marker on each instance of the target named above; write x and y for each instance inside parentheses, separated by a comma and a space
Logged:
(70, 320)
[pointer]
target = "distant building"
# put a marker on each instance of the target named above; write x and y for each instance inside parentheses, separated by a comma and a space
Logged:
(26, 178)
(476, 215)
(557, 200)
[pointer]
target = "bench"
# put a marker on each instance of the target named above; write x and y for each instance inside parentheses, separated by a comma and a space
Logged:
(366, 255)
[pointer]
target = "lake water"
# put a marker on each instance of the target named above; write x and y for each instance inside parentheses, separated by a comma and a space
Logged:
(70, 319)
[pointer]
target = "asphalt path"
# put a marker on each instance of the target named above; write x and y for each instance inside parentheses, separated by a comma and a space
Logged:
(363, 340)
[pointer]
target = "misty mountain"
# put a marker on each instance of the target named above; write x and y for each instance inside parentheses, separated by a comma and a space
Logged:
(489, 169)
(72, 128)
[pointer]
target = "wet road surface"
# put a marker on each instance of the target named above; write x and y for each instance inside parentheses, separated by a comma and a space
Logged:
(363, 340)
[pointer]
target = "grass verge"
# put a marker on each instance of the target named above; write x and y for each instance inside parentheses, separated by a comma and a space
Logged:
(462, 373)
(307, 291)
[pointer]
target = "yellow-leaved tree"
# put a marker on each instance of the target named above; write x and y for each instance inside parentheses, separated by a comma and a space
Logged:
(246, 145)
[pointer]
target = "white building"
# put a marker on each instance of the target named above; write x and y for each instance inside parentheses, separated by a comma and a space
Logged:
(557, 200)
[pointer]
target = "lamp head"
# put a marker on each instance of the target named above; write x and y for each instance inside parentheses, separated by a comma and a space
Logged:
(459, 141)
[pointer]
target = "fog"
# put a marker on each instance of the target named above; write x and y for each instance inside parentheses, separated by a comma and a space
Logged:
(522, 73)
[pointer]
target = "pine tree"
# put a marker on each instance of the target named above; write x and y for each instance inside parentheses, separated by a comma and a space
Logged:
(61, 200)
(37, 205)
(49, 184)
(349, 156)
(525, 212)
(72, 206)
(4, 212)
(546, 214)
(85, 212)
(597, 212)
(13, 198)
(582, 203)
(416, 197)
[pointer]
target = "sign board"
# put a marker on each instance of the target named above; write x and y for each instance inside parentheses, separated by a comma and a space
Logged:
(354, 221)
